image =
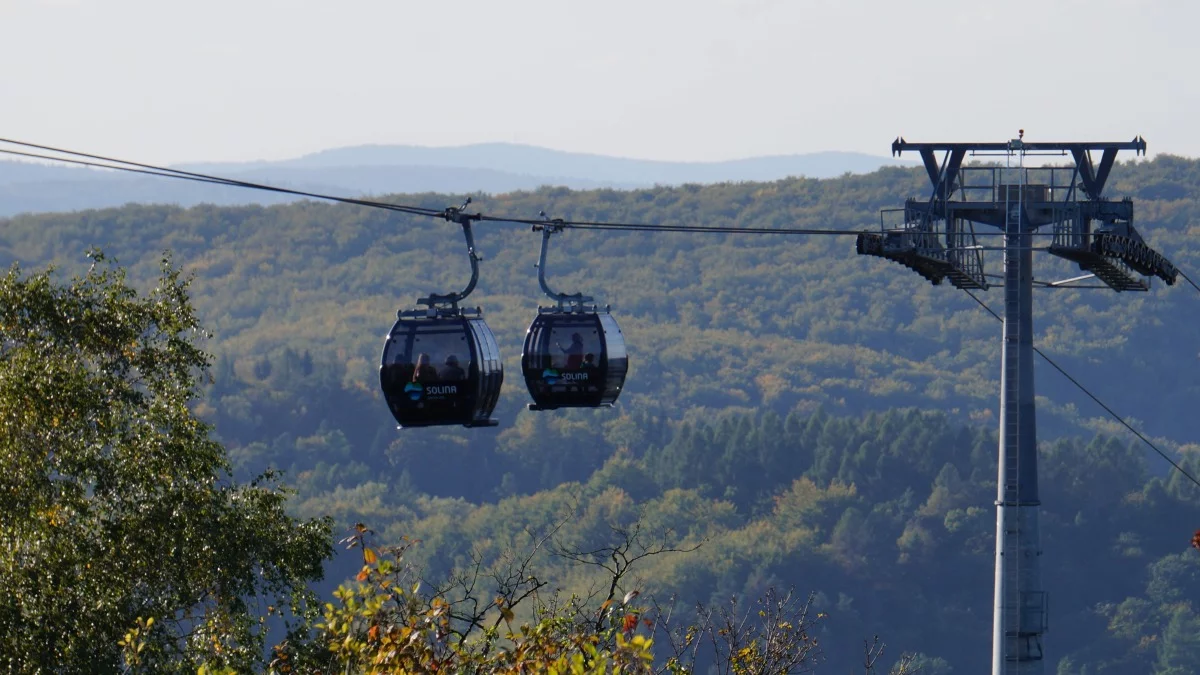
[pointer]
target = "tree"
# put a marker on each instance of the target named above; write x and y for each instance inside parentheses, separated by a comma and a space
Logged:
(124, 540)
(1179, 650)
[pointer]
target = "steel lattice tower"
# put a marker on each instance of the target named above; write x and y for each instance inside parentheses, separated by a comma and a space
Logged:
(936, 238)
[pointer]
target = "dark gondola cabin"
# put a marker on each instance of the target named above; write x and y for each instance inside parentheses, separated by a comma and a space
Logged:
(440, 370)
(573, 360)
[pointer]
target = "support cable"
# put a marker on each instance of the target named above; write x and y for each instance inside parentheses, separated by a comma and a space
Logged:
(137, 167)
(1188, 279)
(164, 172)
(97, 165)
(1092, 396)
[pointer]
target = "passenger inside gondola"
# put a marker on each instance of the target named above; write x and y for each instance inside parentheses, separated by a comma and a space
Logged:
(589, 361)
(399, 371)
(574, 352)
(423, 371)
(451, 371)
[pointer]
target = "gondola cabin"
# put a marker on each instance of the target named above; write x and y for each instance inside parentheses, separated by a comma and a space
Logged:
(573, 359)
(441, 370)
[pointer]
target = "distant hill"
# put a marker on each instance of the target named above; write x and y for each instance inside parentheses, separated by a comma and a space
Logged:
(564, 168)
(493, 168)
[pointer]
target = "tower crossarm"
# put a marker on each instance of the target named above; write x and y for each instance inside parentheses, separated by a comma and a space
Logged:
(1138, 144)
(1090, 230)
(1092, 177)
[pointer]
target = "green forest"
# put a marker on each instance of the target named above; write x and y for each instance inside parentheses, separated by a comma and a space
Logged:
(795, 415)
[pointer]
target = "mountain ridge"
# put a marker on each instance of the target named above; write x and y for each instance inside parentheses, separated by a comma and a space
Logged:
(490, 168)
(534, 160)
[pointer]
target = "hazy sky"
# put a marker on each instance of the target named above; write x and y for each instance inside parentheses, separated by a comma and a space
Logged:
(179, 80)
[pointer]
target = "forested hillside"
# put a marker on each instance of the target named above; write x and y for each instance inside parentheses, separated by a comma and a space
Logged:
(816, 418)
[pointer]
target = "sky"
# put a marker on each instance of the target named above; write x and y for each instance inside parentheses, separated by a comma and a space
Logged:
(696, 80)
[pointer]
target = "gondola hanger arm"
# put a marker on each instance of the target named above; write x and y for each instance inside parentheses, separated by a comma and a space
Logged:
(459, 215)
(548, 228)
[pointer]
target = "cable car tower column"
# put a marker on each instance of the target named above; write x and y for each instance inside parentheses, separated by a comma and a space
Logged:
(935, 237)
(1019, 612)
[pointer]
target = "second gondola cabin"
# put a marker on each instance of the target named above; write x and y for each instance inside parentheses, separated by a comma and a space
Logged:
(574, 359)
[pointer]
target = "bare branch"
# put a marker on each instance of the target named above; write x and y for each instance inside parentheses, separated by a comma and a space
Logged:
(772, 636)
(907, 665)
(628, 547)
(871, 652)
